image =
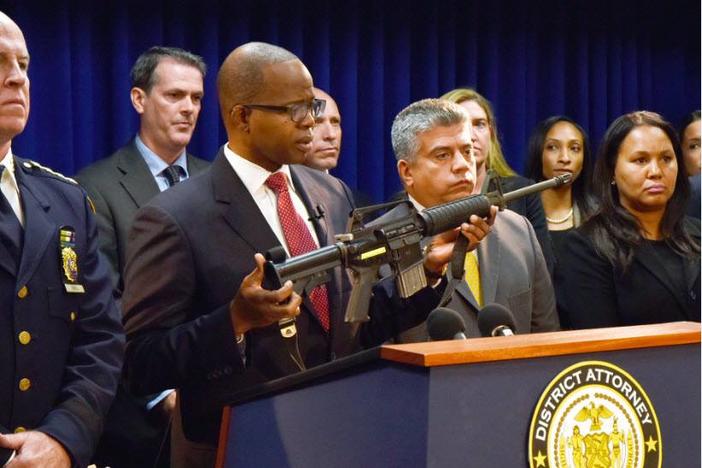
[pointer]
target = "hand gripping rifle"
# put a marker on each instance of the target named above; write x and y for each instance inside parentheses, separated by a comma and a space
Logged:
(392, 239)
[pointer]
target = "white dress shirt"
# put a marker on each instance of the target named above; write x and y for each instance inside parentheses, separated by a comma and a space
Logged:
(254, 178)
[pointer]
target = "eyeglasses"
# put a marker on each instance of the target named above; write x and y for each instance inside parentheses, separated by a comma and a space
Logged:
(298, 111)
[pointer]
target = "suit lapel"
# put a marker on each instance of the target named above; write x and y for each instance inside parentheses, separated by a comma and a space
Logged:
(692, 264)
(489, 252)
(692, 273)
(39, 228)
(195, 165)
(136, 177)
(238, 207)
(648, 258)
(464, 291)
(308, 191)
(7, 262)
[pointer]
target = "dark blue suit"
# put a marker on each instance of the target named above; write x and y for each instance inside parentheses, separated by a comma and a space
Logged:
(60, 353)
(189, 250)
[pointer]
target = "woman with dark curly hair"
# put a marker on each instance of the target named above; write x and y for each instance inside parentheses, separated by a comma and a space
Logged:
(637, 259)
(488, 156)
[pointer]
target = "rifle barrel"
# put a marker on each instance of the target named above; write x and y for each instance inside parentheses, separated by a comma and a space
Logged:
(534, 188)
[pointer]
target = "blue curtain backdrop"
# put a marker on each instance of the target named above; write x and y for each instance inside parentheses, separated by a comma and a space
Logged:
(592, 60)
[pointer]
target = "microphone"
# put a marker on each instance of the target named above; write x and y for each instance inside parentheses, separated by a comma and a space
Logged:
(446, 324)
(496, 320)
(319, 213)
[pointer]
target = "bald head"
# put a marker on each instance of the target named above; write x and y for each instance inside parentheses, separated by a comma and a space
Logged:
(241, 79)
(14, 83)
(326, 145)
(259, 85)
(4, 19)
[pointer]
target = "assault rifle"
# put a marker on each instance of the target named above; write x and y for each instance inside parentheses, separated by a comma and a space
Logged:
(392, 239)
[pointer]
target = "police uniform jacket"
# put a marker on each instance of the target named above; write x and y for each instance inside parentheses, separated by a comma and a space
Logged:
(60, 352)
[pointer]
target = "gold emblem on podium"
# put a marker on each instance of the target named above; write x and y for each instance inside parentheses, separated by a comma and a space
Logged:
(594, 415)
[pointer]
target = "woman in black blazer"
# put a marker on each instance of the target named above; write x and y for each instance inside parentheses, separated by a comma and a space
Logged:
(637, 260)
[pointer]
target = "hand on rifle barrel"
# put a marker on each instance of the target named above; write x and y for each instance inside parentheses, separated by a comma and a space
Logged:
(440, 249)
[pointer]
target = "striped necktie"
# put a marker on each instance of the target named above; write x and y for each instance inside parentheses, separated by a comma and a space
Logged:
(172, 174)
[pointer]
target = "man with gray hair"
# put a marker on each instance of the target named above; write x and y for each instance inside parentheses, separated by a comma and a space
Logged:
(432, 141)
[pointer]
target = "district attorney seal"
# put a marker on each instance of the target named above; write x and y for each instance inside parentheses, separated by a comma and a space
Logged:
(594, 414)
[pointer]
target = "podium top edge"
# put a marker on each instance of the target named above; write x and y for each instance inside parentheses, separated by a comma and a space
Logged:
(473, 350)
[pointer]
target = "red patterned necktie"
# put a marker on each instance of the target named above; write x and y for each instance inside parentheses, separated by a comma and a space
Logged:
(299, 240)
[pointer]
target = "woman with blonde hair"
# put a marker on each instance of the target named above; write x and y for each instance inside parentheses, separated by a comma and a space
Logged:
(489, 157)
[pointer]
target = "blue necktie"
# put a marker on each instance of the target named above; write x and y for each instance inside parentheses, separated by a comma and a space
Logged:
(11, 233)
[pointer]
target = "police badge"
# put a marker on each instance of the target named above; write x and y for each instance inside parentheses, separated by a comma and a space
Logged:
(69, 260)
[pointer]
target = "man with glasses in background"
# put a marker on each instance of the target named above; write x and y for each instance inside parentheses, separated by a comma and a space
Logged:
(197, 317)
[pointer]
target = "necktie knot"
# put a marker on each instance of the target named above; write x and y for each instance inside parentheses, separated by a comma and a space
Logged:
(277, 182)
(172, 174)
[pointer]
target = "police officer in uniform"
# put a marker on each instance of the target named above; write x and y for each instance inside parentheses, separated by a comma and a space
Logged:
(61, 341)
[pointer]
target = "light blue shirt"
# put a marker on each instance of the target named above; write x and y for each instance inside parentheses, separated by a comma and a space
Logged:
(157, 165)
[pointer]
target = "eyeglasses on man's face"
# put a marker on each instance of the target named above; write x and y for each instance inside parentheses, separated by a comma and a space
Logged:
(297, 111)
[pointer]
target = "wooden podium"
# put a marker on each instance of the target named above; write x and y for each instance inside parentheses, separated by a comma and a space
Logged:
(455, 403)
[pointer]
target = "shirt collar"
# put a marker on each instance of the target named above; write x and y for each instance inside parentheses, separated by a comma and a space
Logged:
(252, 175)
(9, 162)
(417, 206)
(155, 163)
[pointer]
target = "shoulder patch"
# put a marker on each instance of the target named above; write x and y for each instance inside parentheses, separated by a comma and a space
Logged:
(36, 166)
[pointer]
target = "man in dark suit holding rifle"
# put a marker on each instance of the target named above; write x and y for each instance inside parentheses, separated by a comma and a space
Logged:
(198, 318)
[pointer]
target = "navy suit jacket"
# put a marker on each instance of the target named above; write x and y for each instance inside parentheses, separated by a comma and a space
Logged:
(73, 357)
(189, 250)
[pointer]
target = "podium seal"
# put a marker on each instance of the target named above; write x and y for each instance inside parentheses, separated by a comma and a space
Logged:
(594, 414)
